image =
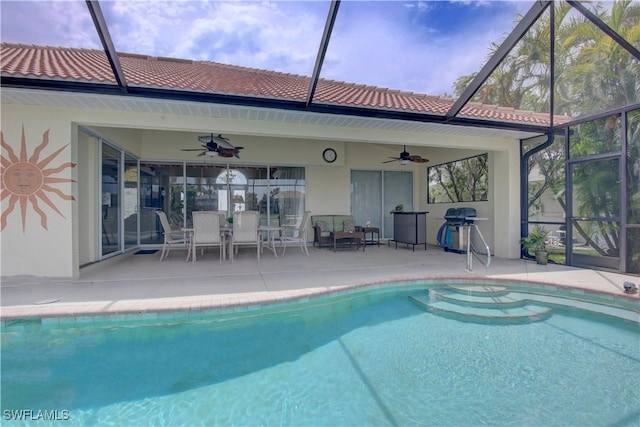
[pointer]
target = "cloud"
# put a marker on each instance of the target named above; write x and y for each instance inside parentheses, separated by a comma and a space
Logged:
(262, 35)
(62, 23)
(415, 46)
(280, 36)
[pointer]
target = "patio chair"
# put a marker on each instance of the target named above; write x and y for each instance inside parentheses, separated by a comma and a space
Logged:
(222, 216)
(171, 237)
(296, 234)
(206, 233)
(245, 231)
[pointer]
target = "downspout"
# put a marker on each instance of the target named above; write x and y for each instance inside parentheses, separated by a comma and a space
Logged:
(524, 187)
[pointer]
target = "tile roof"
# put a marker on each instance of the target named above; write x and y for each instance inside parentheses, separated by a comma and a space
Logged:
(87, 65)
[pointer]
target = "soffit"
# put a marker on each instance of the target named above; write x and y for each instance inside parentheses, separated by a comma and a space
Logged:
(272, 115)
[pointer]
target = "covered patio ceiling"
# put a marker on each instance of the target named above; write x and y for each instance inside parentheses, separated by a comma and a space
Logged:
(211, 27)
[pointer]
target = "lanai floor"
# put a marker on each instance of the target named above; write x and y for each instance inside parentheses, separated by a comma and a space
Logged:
(140, 283)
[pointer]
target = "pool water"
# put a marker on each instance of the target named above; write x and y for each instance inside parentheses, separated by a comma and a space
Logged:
(353, 361)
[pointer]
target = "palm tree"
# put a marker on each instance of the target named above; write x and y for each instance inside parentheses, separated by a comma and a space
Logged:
(592, 73)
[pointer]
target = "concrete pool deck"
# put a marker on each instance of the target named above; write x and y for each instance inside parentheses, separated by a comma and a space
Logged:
(140, 283)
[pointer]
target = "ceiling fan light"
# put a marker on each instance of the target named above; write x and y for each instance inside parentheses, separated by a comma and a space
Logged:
(211, 153)
(404, 161)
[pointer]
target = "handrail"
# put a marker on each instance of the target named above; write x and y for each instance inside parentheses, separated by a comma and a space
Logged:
(471, 249)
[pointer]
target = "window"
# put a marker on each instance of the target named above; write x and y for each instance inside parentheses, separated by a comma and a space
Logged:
(465, 180)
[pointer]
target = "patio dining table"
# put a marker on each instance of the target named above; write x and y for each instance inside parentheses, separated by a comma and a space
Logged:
(225, 232)
(271, 231)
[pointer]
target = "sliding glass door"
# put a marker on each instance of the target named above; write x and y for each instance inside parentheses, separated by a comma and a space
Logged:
(366, 198)
(132, 192)
(277, 192)
(110, 199)
(287, 194)
(204, 190)
(374, 194)
(161, 188)
(397, 190)
(130, 202)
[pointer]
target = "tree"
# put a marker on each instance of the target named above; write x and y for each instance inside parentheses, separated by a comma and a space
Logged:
(633, 193)
(460, 181)
(592, 73)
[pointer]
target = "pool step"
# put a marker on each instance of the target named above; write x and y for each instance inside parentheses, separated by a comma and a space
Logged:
(480, 309)
(478, 290)
(603, 308)
(475, 298)
(488, 295)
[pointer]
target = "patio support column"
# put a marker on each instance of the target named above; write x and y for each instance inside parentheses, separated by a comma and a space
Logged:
(506, 203)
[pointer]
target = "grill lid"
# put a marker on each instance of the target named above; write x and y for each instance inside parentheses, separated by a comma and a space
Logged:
(458, 216)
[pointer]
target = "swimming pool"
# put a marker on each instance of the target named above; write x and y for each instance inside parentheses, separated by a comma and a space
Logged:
(401, 354)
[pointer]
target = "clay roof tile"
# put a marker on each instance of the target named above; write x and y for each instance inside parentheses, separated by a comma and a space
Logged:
(160, 72)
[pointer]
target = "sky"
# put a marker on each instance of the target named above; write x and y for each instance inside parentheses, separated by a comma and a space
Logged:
(417, 46)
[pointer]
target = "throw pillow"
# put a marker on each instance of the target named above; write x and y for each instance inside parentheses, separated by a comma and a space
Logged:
(348, 226)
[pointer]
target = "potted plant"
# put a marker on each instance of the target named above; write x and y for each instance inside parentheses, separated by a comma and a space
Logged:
(398, 208)
(536, 242)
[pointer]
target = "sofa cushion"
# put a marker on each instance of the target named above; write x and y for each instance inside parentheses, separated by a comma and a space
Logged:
(322, 225)
(348, 226)
(327, 219)
(334, 222)
(338, 221)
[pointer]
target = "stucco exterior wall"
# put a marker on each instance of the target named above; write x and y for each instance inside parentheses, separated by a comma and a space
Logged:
(506, 187)
(70, 238)
(88, 205)
(37, 222)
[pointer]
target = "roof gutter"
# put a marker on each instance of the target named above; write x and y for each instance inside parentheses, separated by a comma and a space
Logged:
(262, 102)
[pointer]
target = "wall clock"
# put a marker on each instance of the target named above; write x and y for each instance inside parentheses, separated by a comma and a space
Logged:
(329, 155)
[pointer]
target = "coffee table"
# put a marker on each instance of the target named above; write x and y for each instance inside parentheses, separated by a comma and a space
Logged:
(340, 235)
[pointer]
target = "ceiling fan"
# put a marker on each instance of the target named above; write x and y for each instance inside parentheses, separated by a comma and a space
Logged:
(406, 158)
(213, 146)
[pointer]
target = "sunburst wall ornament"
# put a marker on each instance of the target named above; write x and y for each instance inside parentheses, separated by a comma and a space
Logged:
(28, 179)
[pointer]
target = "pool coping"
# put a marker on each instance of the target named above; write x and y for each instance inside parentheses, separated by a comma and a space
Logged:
(174, 307)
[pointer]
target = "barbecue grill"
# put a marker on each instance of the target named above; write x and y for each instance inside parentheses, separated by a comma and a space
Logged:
(460, 216)
(452, 235)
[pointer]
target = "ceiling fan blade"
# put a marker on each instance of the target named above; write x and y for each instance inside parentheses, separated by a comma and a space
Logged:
(418, 159)
(221, 140)
(205, 138)
(393, 160)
